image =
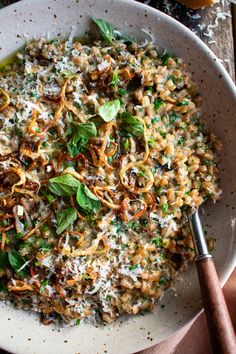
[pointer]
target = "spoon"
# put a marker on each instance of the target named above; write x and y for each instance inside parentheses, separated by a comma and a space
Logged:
(219, 324)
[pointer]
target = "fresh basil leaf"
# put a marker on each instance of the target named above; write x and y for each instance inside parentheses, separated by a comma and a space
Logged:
(4, 259)
(109, 33)
(106, 29)
(108, 111)
(115, 77)
(126, 39)
(131, 124)
(64, 185)
(80, 146)
(65, 218)
(17, 261)
(87, 200)
(83, 130)
(81, 133)
(73, 150)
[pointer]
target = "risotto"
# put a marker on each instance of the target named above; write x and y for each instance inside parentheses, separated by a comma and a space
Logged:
(102, 149)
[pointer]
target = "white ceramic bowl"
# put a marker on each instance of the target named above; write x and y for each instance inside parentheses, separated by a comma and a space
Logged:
(21, 332)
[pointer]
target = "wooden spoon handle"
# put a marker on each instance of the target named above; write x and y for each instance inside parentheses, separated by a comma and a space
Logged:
(219, 323)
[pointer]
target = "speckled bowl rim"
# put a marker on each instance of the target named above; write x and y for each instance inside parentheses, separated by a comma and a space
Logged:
(219, 68)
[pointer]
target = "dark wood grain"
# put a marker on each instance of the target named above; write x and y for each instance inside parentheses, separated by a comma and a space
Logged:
(219, 323)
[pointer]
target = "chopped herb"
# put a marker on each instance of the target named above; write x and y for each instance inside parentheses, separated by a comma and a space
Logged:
(148, 88)
(208, 162)
(19, 235)
(142, 174)
(34, 94)
(163, 280)
(125, 144)
(49, 196)
(44, 228)
(86, 276)
(173, 117)
(121, 92)
(165, 207)
(163, 134)
(182, 103)
(181, 140)
(151, 142)
(115, 77)
(43, 285)
(133, 225)
(133, 267)
(125, 246)
(44, 245)
(77, 322)
(155, 120)
(165, 58)
(172, 78)
(157, 241)
(158, 103)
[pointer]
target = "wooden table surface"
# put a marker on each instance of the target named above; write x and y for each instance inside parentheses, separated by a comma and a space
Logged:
(215, 25)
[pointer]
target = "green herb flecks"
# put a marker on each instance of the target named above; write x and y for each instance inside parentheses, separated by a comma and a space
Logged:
(182, 103)
(158, 103)
(173, 117)
(115, 77)
(165, 207)
(158, 242)
(165, 57)
(43, 285)
(133, 267)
